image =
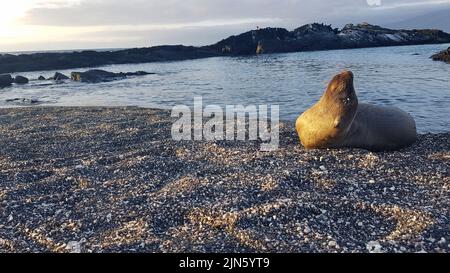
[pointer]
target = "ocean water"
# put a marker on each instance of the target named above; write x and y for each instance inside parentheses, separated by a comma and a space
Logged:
(400, 76)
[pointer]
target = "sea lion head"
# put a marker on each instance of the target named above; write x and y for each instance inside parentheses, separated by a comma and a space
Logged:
(329, 120)
(340, 100)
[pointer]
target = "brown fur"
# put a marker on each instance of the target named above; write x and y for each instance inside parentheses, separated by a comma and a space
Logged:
(338, 120)
(327, 120)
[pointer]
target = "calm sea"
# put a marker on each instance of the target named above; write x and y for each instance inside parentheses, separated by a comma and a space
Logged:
(400, 76)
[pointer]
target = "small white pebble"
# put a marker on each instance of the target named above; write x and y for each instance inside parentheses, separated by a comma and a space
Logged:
(374, 247)
(73, 247)
(332, 244)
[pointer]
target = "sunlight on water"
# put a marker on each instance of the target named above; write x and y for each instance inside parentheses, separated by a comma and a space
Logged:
(401, 76)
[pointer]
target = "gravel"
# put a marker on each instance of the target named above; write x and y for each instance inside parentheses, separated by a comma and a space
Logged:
(113, 180)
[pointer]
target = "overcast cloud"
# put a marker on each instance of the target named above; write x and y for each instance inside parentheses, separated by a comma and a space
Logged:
(119, 23)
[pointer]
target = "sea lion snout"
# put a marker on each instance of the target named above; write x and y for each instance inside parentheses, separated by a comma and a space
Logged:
(342, 82)
(341, 90)
(347, 74)
(344, 76)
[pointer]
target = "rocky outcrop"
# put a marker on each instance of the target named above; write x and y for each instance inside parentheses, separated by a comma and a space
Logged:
(443, 56)
(269, 40)
(93, 76)
(366, 35)
(23, 101)
(137, 73)
(322, 37)
(21, 80)
(279, 40)
(59, 77)
(54, 61)
(6, 80)
(96, 75)
(41, 78)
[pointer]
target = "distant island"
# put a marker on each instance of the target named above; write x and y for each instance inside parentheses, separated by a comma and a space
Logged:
(309, 37)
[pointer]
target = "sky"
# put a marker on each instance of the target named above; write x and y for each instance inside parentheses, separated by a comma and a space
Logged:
(27, 25)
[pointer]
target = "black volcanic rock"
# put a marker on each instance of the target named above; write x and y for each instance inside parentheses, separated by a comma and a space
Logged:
(59, 77)
(278, 40)
(321, 37)
(54, 61)
(6, 80)
(23, 101)
(269, 40)
(97, 75)
(366, 35)
(21, 80)
(94, 76)
(443, 56)
(138, 73)
(41, 78)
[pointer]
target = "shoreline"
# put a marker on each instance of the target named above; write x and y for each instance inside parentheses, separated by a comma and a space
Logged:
(309, 37)
(111, 179)
(181, 59)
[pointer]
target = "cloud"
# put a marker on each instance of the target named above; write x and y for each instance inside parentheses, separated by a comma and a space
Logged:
(119, 12)
(178, 12)
(407, 4)
(374, 2)
(150, 22)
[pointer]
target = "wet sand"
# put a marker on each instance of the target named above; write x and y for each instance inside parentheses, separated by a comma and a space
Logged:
(113, 180)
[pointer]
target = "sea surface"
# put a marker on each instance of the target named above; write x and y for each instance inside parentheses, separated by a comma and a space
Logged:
(400, 76)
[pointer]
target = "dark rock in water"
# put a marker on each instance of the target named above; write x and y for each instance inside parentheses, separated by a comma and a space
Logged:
(443, 56)
(5, 80)
(262, 41)
(59, 77)
(23, 101)
(21, 80)
(138, 73)
(41, 78)
(96, 75)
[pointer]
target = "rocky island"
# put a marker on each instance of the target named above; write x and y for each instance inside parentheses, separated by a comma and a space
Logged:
(268, 40)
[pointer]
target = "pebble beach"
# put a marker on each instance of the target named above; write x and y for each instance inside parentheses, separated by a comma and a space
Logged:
(92, 179)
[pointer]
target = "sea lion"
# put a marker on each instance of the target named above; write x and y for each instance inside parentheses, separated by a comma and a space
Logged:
(338, 120)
